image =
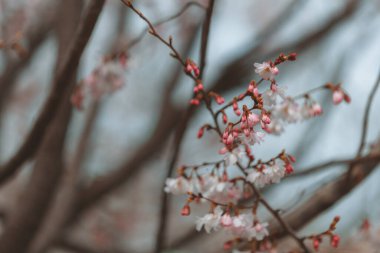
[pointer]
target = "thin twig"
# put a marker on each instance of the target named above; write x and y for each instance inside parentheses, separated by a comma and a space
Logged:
(366, 115)
(163, 21)
(164, 208)
(325, 165)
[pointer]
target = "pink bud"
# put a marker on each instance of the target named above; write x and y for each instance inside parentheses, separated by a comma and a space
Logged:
(256, 91)
(292, 57)
(251, 87)
(292, 158)
(219, 100)
(316, 244)
(338, 97)
(347, 98)
(225, 119)
(185, 210)
(189, 68)
(230, 139)
(227, 245)
(200, 132)
(288, 168)
(222, 151)
(196, 71)
(265, 118)
(194, 101)
(335, 241)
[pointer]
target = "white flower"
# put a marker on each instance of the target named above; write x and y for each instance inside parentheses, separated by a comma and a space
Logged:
(213, 188)
(210, 221)
(266, 71)
(257, 177)
(240, 224)
(233, 157)
(276, 126)
(255, 137)
(270, 97)
(261, 231)
(275, 173)
(106, 78)
(179, 185)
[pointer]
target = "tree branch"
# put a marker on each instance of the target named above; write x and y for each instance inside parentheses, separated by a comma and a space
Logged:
(69, 64)
(366, 115)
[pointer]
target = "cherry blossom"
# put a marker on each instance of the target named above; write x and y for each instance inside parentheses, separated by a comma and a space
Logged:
(211, 221)
(179, 185)
(266, 70)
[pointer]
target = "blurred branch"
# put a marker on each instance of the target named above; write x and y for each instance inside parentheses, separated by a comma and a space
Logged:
(64, 73)
(25, 221)
(163, 21)
(328, 195)
(167, 121)
(323, 166)
(238, 70)
(34, 37)
(366, 115)
(64, 200)
(204, 38)
(80, 248)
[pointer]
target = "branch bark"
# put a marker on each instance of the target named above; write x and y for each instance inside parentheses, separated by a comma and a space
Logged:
(62, 78)
(27, 218)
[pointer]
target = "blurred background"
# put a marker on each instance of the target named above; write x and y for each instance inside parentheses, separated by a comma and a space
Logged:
(336, 41)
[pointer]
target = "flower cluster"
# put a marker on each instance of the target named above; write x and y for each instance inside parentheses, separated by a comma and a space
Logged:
(104, 79)
(210, 186)
(271, 172)
(256, 113)
(243, 225)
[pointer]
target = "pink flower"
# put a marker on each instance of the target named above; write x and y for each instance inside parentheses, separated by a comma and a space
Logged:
(265, 118)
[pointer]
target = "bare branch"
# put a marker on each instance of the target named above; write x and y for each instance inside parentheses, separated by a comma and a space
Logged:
(27, 218)
(64, 73)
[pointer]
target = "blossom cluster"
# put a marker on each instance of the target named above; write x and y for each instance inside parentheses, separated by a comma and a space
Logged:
(106, 78)
(256, 112)
(243, 225)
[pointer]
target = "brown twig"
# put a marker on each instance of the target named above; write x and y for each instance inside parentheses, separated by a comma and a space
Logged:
(69, 63)
(366, 115)
(163, 21)
(324, 166)
(27, 218)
